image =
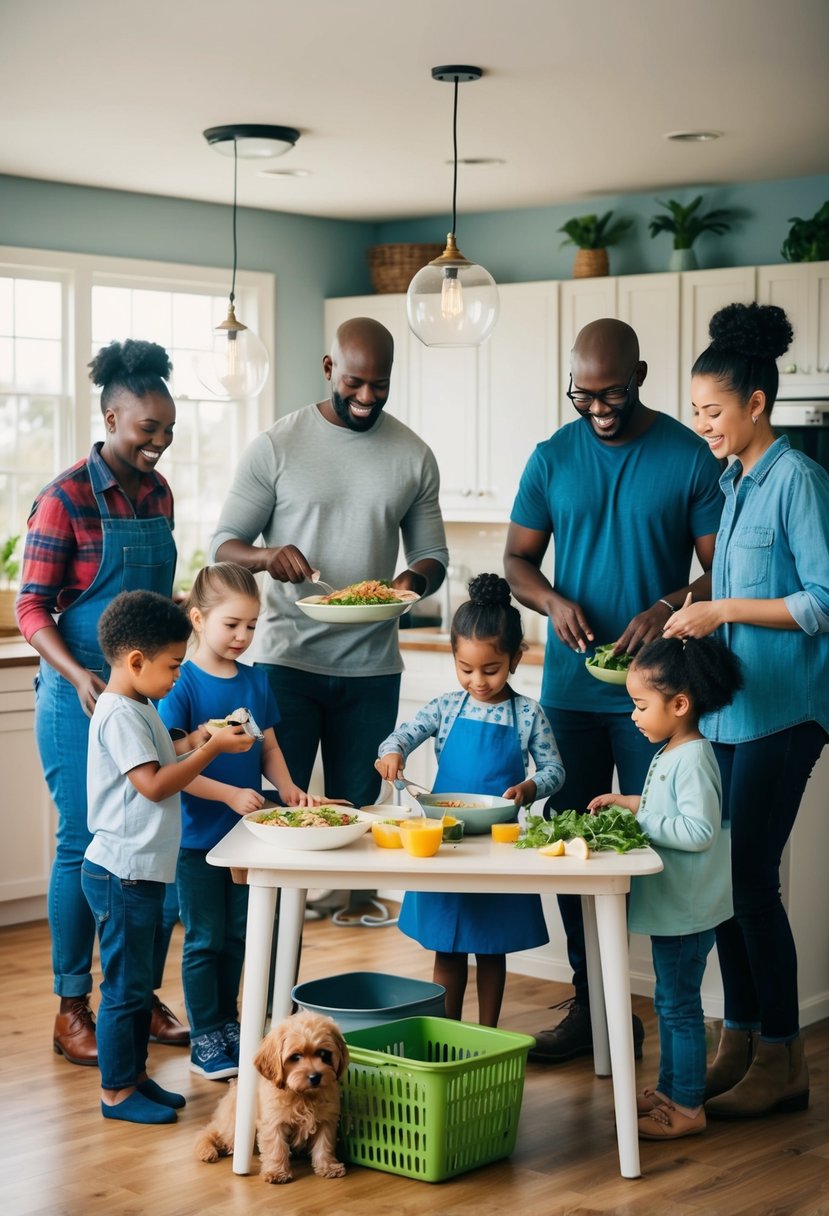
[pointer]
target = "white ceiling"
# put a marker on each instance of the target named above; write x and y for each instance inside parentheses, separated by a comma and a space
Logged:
(576, 97)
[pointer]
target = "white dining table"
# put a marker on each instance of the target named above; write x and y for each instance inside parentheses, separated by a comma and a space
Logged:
(475, 864)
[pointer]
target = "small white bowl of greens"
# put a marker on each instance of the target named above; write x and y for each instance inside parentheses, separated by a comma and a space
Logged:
(607, 667)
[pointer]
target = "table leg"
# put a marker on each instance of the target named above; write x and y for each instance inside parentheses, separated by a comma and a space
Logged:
(595, 984)
(261, 909)
(288, 938)
(611, 923)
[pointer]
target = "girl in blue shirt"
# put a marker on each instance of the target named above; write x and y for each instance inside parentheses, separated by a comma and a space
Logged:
(671, 686)
(484, 738)
(223, 608)
(770, 604)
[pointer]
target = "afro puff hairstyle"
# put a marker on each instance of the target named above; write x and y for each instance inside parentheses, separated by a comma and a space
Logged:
(135, 367)
(746, 341)
(141, 620)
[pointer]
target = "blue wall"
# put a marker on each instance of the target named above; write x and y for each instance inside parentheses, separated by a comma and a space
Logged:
(311, 258)
(315, 258)
(520, 246)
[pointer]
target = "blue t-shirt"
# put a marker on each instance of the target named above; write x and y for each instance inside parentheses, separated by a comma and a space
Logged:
(195, 697)
(623, 520)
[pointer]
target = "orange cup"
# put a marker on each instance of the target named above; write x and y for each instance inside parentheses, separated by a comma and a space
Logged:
(425, 840)
(386, 835)
(505, 833)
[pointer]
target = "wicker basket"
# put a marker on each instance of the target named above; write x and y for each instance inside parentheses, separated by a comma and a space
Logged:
(394, 266)
(590, 263)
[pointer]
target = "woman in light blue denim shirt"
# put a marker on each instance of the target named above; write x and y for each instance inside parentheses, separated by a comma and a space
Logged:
(770, 603)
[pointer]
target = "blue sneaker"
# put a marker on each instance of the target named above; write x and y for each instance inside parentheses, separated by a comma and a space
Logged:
(230, 1035)
(208, 1057)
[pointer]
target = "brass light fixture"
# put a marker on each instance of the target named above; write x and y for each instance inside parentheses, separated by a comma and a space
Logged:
(237, 364)
(452, 301)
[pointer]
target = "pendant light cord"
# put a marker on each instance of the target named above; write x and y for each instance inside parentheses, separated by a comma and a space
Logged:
(235, 176)
(455, 159)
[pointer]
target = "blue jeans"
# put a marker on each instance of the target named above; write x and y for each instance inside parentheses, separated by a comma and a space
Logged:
(591, 746)
(214, 914)
(127, 913)
(763, 783)
(347, 716)
(679, 963)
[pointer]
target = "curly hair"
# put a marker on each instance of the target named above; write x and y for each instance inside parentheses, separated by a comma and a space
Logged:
(141, 620)
(213, 584)
(132, 366)
(489, 614)
(746, 341)
(703, 668)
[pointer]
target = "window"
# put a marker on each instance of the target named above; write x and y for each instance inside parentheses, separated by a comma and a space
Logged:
(56, 311)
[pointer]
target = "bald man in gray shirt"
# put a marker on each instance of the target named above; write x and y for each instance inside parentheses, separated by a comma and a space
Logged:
(334, 487)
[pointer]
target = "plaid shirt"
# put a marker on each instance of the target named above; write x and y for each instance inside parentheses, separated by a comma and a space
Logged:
(64, 542)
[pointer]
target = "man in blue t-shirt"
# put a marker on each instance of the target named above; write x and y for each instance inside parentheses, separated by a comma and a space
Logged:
(628, 495)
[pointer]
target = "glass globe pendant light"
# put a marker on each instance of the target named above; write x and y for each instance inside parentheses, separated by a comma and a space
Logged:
(452, 301)
(236, 366)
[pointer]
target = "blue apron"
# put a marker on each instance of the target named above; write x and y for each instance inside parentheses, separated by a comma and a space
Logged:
(483, 758)
(137, 555)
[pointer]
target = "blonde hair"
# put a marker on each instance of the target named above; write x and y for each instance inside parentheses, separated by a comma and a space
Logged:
(214, 584)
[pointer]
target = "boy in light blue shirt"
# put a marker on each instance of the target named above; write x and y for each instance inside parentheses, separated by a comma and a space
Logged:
(133, 785)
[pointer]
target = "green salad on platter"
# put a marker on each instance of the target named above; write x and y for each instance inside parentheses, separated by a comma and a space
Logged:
(613, 828)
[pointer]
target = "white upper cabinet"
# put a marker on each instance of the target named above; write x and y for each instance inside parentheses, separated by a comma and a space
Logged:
(649, 303)
(704, 292)
(802, 290)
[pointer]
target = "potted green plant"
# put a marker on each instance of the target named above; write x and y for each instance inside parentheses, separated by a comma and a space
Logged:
(686, 223)
(9, 566)
(592, 234)
(808, 240)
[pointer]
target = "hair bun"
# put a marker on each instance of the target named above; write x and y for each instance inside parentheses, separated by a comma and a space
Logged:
(489, 589)
(123, 360)
(755, 331)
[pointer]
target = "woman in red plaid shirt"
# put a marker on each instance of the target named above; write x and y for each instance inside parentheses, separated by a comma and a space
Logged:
(103, 526)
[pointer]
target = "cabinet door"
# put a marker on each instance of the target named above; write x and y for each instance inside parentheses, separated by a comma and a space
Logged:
(389, 310)
(649, 303)
(581, 301)
(519, 379)
(24, 869)
(704, 292)
(443, 410)
(802, 290)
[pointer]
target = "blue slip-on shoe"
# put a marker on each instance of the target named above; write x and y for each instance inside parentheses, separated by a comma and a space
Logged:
(138, 1109)
(209, 1059)
(163, 1097)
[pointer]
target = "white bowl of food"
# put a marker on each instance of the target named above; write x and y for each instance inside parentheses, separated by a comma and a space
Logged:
(477, 812)
(309, 828)
(362, 603)
(607, 667)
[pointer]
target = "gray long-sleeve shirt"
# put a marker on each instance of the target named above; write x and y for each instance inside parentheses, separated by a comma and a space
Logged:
(344, 498)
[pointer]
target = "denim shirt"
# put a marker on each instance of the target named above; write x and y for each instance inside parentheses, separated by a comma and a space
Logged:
(773, 543)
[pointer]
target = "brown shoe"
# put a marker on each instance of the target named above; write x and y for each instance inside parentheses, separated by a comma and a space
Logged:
(777, 1081)
(74, 1033)
(668, 1123)
(165, 1026)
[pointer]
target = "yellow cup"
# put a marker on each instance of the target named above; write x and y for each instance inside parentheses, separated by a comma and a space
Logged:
(505, 833)
(386, 835)
(425, 840)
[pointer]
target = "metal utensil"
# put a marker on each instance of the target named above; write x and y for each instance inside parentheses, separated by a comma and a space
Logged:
(326, 588)
(400, 783)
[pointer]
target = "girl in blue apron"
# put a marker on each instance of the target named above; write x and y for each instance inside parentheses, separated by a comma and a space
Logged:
(484, 738)
(114, 508)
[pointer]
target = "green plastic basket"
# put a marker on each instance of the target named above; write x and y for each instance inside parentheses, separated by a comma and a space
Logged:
(430, 1098)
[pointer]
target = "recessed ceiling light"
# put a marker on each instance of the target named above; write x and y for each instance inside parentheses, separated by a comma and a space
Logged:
(693, 137)
(284, 172)
(477, 160)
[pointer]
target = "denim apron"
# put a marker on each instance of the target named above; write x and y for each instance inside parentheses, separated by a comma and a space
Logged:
(138, 555)
(484, 757)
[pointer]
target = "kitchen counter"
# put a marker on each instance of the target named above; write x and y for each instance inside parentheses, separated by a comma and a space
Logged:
(437, 641)
(14, 652)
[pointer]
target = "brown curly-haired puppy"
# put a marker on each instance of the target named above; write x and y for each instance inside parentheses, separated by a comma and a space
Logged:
(301, 1061)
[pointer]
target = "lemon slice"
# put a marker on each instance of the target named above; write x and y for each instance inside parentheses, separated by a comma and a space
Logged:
(556, 849)
(577, 847)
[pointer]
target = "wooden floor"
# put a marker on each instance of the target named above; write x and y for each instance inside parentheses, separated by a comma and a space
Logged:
(59, 1157)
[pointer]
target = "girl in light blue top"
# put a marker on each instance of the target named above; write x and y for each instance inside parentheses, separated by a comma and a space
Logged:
(770, 604)
(671, 686)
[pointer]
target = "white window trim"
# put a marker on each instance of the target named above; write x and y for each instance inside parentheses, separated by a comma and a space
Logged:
(81, 271)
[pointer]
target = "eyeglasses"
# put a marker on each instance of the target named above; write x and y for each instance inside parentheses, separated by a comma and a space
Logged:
(615, 398)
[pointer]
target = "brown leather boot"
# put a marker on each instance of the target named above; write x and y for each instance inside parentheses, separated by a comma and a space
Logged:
(731, 1063)
(165, 1026)
(74, 1034)
(778, 1080)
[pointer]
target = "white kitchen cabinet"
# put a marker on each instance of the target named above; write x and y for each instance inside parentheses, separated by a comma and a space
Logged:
(802, 290)
(649, 303)
(29, 816)
(704, 292)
